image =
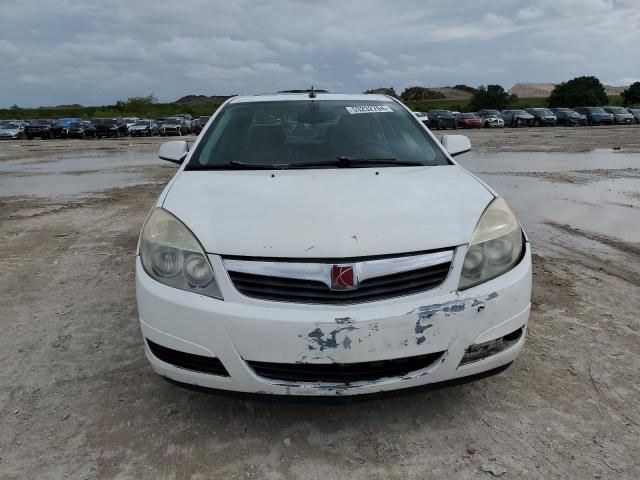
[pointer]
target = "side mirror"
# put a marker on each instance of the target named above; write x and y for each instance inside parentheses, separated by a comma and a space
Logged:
(456, 144)
(175, 151)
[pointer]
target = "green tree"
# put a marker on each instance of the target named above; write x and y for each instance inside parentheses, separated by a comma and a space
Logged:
(631, 95)
(580, 91)
(491, 96)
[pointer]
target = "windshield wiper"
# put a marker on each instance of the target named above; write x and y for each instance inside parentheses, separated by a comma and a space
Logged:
(235, 165)
(346, 162)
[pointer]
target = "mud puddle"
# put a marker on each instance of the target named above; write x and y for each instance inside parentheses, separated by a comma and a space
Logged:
(74, 174)
(595, 191)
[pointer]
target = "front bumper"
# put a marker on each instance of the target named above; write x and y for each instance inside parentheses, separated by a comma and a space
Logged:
(241, 331)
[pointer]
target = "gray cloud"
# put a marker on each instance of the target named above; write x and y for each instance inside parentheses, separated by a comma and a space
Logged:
(76, 51)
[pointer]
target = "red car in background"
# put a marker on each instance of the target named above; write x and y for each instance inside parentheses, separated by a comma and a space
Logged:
(468, 120)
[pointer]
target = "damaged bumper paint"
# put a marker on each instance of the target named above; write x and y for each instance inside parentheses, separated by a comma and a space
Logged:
(242, 332)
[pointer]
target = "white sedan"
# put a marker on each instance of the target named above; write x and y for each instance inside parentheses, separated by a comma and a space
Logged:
(320, 244)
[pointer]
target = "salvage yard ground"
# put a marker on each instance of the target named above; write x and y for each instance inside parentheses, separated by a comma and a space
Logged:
(78, 399)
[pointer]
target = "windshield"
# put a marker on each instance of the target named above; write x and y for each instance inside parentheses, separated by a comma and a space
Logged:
(143, 122)
(109, 121)
(285, 133)
(41, 122)
(203, 119)
(469, 115)
(173, 120)
(519, 112)
(10, 126)
(442, 113)
(618, 110)
(596, 110)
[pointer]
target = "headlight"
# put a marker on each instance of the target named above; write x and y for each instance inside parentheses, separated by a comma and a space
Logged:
(495, 247)
(171, 254)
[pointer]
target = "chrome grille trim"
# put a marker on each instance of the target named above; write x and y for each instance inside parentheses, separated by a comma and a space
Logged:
(321, 272)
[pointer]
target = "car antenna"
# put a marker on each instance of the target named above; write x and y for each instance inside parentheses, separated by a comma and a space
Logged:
(312, 94)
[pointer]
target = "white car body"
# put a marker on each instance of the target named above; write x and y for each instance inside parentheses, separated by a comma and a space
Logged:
(494, 122)
(12, 133)
(322, 218)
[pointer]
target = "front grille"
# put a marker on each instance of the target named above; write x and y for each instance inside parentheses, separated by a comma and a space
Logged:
(312, 291)
(343, 372)
(188, 361)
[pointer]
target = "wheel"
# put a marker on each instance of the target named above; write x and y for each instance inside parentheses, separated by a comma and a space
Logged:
(117, 134)
(536, 122)
(29, 137)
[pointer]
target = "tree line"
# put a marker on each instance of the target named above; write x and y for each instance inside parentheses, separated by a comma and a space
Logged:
(579, 91)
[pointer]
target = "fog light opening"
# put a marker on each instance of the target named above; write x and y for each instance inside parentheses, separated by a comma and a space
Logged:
(480, 351)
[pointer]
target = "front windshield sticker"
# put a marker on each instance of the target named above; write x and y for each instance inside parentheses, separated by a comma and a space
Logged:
(369, 109)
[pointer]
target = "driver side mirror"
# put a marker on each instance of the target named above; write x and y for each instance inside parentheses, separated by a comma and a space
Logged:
(456, 144)
(175, 151)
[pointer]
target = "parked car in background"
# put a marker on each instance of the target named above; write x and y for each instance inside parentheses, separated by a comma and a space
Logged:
(491, 118)
(423, 117)
(130, 121)
(111, 127)
(468, 120)
(82, 129)
(174, 126)
(438, 291)
(568, 117)
(543, 117)
(441, 119)
(517, 118)
(13, 130)
(61, 126)
(199, 124)
(146, 128)
(187, 126)
(636, 114)
(620, 115)
(595, 115)
(39, 128)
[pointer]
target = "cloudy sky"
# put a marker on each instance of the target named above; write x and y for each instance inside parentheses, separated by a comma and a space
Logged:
(89, 52)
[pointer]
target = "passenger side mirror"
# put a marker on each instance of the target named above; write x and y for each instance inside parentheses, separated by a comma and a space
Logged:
(175, 151)
(456, 144)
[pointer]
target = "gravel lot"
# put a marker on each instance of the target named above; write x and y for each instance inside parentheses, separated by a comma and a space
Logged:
(78, 399)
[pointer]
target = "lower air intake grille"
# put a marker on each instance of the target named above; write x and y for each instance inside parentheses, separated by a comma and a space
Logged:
(188, 361)
(343, 372)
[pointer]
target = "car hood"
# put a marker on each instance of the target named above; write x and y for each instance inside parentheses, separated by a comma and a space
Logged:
(139, 127)
(328, 213)
(6, 131)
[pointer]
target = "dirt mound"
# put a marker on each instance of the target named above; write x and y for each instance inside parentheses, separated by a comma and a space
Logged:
(453, 93)
(545, 89)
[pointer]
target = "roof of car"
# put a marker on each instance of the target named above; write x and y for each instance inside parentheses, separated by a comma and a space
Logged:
(284, 97)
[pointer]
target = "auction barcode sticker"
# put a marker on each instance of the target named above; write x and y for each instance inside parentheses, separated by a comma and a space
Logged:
(368, 109)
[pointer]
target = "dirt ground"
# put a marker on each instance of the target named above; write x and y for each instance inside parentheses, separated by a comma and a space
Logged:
(78, 399)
